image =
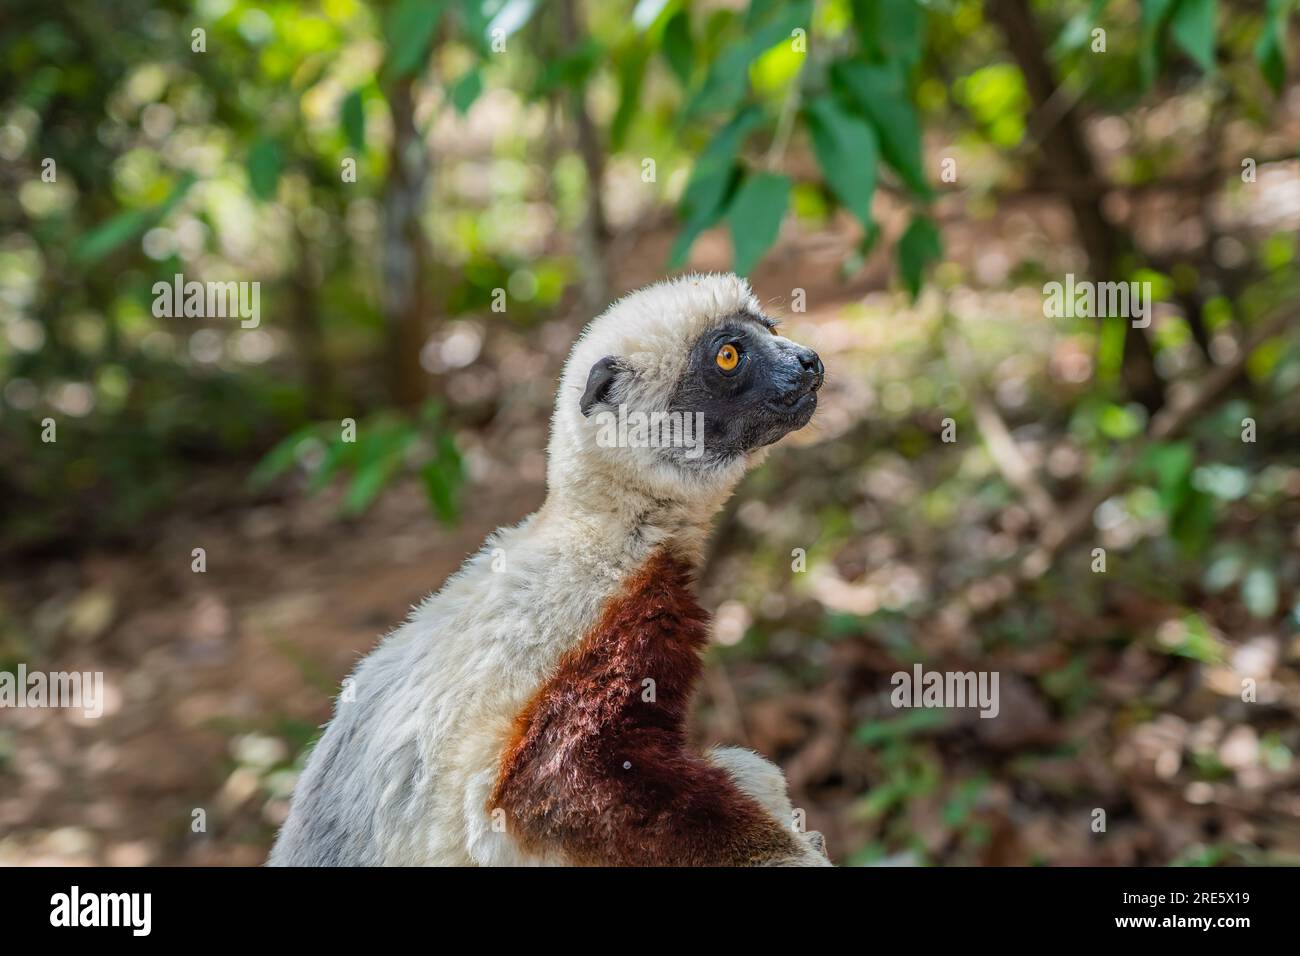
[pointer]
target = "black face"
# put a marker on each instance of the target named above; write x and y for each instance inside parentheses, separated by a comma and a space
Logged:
(751, 386)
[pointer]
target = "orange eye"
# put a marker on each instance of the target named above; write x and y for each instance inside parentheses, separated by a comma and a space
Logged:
(728, 358)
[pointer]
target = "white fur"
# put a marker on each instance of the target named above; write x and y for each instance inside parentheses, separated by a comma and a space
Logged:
(403, 773)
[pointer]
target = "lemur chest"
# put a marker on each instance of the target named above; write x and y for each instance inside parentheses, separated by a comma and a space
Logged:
(602, 745)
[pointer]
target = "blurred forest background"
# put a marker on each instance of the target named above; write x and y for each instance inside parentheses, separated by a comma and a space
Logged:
(435, 195)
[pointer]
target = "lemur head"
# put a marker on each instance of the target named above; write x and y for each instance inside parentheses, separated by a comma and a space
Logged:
(676, 389)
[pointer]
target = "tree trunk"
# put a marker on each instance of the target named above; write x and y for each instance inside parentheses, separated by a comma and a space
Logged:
(1066, 157)
(405, 252)
(594, 231)
(309, 339)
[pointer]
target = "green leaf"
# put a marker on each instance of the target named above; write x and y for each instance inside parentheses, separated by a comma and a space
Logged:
(1192, 27)
(1195, 640)
(1077, 31)
(1154, 15)
(126, 225)
(996, 98)
(889, 29)
(354, 120)
(755, 218)
(280, 458)
(264, 167)
(631, 72)
(911, 723)
(705, 199)
(725, 83)
(1259, 592)
(466, 90)
(1223, 481)
(366, 486)
(678, 47)
(919, 246)
(758, 10)
(647, 12)
(112, 233)
(410, 28)
(1224, 571)
(1170, 464)
(475, 18)
(441, 482)
(1120, 422)
(1270, 49)
(1194, 521)
(381, 453)
(569, 71)
(338, 453)
(846, 148)
(880, 93)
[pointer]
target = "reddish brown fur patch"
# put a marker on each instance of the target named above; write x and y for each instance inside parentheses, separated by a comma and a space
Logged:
(606, 777)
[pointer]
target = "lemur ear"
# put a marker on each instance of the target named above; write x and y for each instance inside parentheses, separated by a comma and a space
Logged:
(599, 380)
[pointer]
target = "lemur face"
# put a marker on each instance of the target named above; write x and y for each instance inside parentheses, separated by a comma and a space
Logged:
(735, 386)
(751, 386)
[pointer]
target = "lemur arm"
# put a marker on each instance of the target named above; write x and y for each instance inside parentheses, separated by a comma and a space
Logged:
(763, 781)
(665, 807)
(599, 770)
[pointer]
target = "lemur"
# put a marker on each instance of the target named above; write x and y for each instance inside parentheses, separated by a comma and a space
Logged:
(533, 711)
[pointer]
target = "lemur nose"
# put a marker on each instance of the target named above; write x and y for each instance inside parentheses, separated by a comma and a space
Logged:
(812, 362)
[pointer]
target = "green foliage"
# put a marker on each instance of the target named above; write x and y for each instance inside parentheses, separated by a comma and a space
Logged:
(1188, 510)
(1192, 27)
(466, 90)
(570, 71)
(996, 97)
(264, 161)
(900, 729)
(755, 216)
(880, 92)
(1270, 49)
(1189, 24)
(127, 225)
(858, 110)
(919, 246)
(890, 31)
(768, 106)
(353, 119)
(409, 33)
(678, 46)
(712, 180)
(846, 149)
(723, 86)
(369, 456)
(632, 72)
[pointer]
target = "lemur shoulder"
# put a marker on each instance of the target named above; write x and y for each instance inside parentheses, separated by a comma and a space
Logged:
(506, 722)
